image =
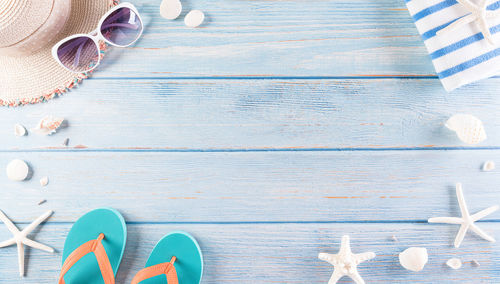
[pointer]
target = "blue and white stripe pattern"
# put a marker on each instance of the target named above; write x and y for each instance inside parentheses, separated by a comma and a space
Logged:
(462, 56)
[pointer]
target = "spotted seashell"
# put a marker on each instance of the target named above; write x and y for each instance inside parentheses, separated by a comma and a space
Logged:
(469, 128)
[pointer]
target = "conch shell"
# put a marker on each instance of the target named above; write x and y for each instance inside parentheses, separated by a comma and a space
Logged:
(48, 125)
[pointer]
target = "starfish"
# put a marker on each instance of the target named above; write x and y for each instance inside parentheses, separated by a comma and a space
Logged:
(345, 262)
(479, 14)
(467, 220)
(19, 237)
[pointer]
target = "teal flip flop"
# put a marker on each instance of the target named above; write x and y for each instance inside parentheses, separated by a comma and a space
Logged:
(176, 258)
(94, 248)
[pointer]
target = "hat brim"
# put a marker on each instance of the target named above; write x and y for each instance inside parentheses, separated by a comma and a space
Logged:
(38, 77)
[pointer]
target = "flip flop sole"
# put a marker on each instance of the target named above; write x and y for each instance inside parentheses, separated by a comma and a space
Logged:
(104, 220)
(189, 263)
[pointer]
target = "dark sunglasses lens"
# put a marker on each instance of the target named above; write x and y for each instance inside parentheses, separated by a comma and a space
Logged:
(122, 27)
(78, 54)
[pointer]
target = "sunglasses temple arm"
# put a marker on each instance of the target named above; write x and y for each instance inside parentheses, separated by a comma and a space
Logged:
(131, 26)
(117, 15)
(77, 55)
(72, 44)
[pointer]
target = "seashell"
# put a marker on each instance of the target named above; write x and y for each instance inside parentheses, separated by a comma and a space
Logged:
(394, 238)
(414, 258)
(19, 130)
(475, 263)
(44, 181)
(17, 170)
(454, 263)
(42, 201)
(488, 166)
(65, 142)
(194, 18)
(469, 128)
(170, 9)
(48, 125)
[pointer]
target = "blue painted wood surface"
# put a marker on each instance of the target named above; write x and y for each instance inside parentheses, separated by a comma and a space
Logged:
(268, 133)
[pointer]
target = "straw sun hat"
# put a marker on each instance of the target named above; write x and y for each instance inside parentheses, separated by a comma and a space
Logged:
(28, 30)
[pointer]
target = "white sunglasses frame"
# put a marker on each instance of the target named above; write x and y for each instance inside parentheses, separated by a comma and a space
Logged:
(97, 36)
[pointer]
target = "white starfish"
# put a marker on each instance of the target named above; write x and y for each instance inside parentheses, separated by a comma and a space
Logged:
(478, 14)
(467, 220)
(345, 262)
(20, 237)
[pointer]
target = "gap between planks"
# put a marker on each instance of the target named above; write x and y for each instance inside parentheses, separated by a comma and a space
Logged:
(260, 77)
(64, 223)
(82, 148)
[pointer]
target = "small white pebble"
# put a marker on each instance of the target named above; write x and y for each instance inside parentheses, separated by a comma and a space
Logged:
(475, 263)
(488, 166)
(170, 9)
(194, 18)
(17, 170)
(44, 181)
(66, 142)
(454, 263)
(42, 201)
(19, 130)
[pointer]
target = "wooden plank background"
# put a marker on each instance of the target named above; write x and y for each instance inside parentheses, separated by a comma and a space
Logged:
(285, 253)
(268, 133)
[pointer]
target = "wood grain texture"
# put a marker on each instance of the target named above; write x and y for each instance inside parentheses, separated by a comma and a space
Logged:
(275, 38)
(255, 186)
(268, 133)
(257, 114)
(270, 253)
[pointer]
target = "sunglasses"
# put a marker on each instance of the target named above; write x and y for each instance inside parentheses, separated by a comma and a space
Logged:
(120, 26)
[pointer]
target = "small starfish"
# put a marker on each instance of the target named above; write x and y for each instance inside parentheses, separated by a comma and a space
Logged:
(479, 14)
(467, 220)
(20, 238)
(345, 262)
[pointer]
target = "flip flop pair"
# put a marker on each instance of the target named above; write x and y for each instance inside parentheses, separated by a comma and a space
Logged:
(95, 245)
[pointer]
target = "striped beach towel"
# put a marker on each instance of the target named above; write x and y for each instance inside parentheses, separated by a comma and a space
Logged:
(463, 55)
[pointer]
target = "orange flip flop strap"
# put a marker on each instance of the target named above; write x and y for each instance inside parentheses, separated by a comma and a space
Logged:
(166, 268)
(97, 248)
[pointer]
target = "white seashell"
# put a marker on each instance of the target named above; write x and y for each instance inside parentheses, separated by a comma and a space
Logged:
(414, 258)
(17, 170)
(469, 128)
(48, 125)
(488, 166)
(194, 18)
(19, 130)
(170, 9)
(44, 181)
(454, 263)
